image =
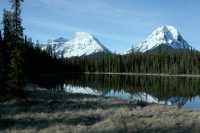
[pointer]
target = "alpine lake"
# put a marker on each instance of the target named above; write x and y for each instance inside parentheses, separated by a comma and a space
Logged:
(182, 92)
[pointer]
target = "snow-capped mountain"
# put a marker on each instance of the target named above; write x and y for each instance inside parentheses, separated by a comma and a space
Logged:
(164, 35)
(82, 44)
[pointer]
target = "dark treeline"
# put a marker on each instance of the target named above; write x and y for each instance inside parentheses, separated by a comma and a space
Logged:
(22, 60)
(179, 62)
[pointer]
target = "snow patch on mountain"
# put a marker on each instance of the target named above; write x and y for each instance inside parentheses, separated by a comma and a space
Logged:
(83, 44)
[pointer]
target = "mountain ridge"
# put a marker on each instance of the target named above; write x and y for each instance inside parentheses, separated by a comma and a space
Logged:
(166, 37)
(82, 44)
(163, 35)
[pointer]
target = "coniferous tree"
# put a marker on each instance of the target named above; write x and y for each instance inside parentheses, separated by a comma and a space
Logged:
(1, 58)
(18, 28)
(17, 59)
(8, 41)
(37, 45)
(1, 65)
(8, 28)
(49, 50)
(17, 65)
(17, 70)
(1, 39)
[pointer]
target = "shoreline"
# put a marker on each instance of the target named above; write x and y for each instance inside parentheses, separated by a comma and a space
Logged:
(145, 74)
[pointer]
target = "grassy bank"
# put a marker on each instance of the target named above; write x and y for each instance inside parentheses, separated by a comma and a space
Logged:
(50, 112)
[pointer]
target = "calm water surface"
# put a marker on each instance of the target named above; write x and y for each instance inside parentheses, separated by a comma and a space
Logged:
(173, 91)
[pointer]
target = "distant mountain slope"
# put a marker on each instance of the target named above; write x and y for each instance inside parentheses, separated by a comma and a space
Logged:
(164, 48)
(164, 36)
(56, 44)
(82, 44)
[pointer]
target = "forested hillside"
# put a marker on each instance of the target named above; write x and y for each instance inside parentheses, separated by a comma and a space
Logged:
(176, 62)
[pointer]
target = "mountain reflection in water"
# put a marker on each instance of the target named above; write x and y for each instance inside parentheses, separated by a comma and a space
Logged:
(181, 92)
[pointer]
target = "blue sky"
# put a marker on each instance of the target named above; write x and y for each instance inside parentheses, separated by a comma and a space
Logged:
(118, 24)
